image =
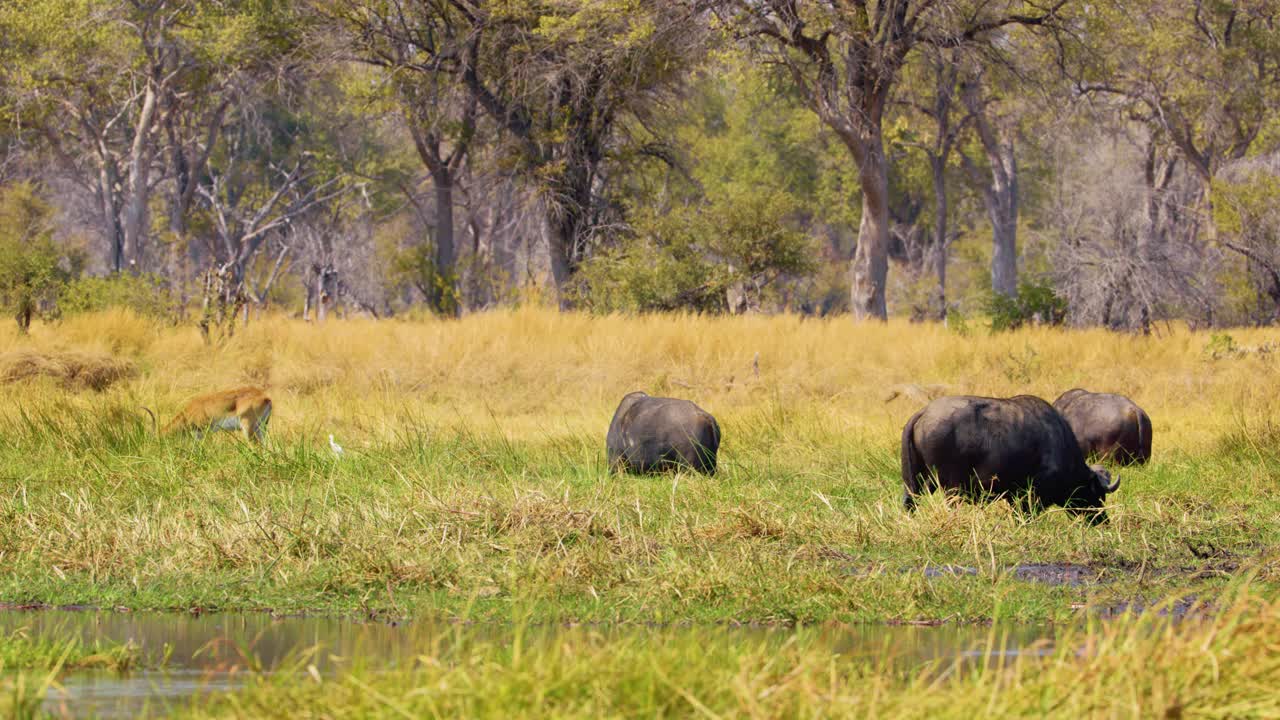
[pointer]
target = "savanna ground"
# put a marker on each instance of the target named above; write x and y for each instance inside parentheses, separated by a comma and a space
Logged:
(473, 487)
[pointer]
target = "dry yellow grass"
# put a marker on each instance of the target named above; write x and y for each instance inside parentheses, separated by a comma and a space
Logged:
(534, 370)
(73, 370)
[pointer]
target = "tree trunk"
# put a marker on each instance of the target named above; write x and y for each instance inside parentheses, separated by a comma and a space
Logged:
(444, 295)
(180, 170)
(999, 191)
(870, 267)
(1162, 213)
(188, 171)
(1000, 196)
(1004, 237)
(322, 299)
(110, 215)
(560, 232)
(25, 309)
(262, 297)
(140, 154)
(938, 251)
(569, 221)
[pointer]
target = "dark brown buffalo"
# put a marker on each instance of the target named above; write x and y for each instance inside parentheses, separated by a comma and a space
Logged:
(984, 448)
(1107, 426)
(654, 434)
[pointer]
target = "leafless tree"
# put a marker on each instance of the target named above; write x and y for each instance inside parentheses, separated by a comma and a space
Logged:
(1124, 243)
(334, 250)
(101, 121)
(933, 97)
(242, 223)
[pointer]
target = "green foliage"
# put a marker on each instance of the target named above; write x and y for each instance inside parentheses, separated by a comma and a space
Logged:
(580, 99)
(415, 266)
(1036, 302)
(147, 295)
(957, 321)
(91, 45)
(747, 127)
(1221, 345)
(1204, 73)
(1246, 215)
(33, 268)
(1249, 207)
(655, 272)
(691, 257)
(752, 157)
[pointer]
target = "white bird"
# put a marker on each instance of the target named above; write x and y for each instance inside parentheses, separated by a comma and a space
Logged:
(337, 449)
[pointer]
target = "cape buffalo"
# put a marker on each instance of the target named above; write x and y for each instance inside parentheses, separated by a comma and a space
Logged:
(652, 434)
(983, 448)
(1107, 425)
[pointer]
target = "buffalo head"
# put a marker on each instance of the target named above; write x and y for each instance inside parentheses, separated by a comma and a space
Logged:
(1090, 498)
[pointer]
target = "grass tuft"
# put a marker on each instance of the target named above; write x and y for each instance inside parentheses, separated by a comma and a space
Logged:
(19, 651)
(71, 370)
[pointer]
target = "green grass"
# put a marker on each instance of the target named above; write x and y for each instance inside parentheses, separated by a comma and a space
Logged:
(20, 651)
(801, 525)
(30, 666)
(22, 694)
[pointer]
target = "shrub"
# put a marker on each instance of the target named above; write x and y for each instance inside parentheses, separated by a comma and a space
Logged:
(33, 268)
(1036, 303)
(415, 266)
(146, 295)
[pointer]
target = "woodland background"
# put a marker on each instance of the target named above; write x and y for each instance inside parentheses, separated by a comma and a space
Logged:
(1107, 163)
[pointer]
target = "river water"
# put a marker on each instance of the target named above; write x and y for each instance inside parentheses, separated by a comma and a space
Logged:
(203, 654)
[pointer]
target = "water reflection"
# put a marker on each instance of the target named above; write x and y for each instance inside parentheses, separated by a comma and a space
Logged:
(139, 694)
(212, 653)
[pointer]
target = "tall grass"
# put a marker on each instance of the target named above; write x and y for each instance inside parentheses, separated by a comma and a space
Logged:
(474, 477)
(538, 372)
(22, 694)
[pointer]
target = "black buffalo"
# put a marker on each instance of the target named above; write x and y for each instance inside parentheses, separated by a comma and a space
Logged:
(983, 448)
(653, 434)
(1107, 425)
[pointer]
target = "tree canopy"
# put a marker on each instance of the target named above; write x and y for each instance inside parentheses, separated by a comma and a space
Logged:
(912, 157)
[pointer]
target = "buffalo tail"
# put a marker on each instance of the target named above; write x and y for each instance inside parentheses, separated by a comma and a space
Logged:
(1144, 435)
